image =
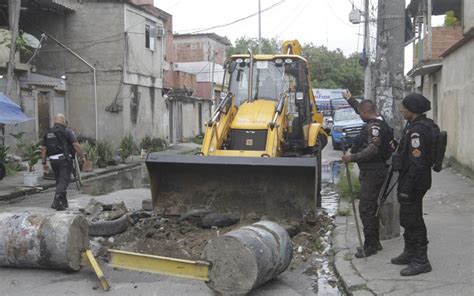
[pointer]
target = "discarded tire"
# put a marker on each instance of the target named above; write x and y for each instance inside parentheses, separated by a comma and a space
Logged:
(108, 228)
(42, 240)
(246, 258)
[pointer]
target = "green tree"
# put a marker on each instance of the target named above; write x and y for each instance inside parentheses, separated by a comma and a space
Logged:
(328, 68)
(269, 46)
(331, 69)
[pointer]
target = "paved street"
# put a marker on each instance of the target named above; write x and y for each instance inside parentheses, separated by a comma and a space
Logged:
(50, 282)
(448, 213)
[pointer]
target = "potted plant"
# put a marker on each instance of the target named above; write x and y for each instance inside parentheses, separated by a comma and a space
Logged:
(105, 153)
(31, 152)
(90, 153)
(127, 147)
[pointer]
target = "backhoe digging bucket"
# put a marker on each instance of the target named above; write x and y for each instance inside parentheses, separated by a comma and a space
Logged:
(275, 187)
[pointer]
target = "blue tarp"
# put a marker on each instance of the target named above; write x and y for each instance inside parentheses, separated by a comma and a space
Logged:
(10, 112)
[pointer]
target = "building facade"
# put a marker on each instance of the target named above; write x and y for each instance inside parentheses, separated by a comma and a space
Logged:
(444, 72)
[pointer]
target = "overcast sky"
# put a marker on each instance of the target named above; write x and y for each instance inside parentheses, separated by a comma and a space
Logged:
(322, 22)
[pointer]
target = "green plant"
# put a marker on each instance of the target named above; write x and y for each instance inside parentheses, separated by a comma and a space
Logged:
(90, 151)
(450, 19)
(82, 139)
(12, 168)
(152, 144)
(105, 153)
(145, 143)
(3, 153)
(343, 212)
(20, 144)
(198, 139)
(127, 147)
(157, 144)
(22, 46)
(32, 152)
(343, 186)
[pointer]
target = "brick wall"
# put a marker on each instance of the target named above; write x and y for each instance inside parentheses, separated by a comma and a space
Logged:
(442, 39)
(189, 52)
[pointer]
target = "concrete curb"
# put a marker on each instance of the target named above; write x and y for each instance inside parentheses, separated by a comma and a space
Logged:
(23, 191)
(350, 277)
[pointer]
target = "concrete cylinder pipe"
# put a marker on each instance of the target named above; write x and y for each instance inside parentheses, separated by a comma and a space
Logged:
(244, 259)
(42, 240)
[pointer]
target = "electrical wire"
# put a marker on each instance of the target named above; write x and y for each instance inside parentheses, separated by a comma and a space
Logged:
(280, 24)
(294, 19)
(334, 13)
(194, 31)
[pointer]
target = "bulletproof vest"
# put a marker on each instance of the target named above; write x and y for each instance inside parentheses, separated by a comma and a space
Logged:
(438, 143)
(361, 142)
(56, 142)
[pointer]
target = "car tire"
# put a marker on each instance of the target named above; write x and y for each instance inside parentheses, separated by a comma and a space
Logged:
(108, 228)
(335, 146)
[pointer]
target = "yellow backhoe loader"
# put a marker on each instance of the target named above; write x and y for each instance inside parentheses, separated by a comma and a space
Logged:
(261, 152)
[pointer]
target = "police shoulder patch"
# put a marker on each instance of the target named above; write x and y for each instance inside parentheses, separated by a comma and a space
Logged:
(416, 153)
(375, 130)
(415, 142)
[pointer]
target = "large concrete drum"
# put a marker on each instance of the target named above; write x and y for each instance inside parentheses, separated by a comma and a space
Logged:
(244, 259)
(42, 240)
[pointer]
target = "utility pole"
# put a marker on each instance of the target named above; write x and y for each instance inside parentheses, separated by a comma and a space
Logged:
(368, 70)
(14, 18)
(389, 79)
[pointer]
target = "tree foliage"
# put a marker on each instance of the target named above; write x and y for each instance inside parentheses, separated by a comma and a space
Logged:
(269, 46)
(328, 68)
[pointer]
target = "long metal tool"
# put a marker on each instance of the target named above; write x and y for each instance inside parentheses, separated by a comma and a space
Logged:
(76, 172)
(197, 270)
(88, 259)
(349, 183)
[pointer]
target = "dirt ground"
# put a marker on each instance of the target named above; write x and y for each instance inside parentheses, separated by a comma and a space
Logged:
(171, 237)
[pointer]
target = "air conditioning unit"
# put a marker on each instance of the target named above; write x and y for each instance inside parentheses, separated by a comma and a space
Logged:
(160, 31)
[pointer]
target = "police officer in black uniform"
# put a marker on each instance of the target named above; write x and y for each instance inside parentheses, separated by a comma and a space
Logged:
(60, 145)
(367, 152)
(413, 182)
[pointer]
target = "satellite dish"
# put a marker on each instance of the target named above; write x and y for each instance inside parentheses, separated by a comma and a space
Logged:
(31, 41)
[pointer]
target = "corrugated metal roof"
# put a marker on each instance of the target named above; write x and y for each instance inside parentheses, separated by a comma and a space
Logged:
(42, 80)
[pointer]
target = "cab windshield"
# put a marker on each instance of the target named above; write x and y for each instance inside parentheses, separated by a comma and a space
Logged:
(270, 80)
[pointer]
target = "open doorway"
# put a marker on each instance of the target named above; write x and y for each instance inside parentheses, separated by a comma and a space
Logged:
(43, 112)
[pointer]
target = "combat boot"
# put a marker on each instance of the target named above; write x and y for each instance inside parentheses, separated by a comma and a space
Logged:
(55, 203)
(369, 251)
(419, 264)
(379, 247)
(62, 203)
(404, 258)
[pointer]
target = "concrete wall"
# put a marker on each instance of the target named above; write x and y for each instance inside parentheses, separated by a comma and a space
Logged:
(144, 72)
(110, 35)
(457, 106)
(468, 15)
(432, 91)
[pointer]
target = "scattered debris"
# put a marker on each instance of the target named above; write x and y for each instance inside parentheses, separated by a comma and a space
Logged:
(219, 220)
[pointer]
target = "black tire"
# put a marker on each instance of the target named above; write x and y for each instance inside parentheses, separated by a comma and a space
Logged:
(336, 146)
(108, 228)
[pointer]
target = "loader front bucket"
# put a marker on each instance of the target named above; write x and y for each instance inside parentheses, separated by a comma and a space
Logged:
(275, 187)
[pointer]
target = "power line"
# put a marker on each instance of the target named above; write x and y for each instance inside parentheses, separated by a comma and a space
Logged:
(234, 22)
(293, 20)
(334, 13)
(280, 24)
